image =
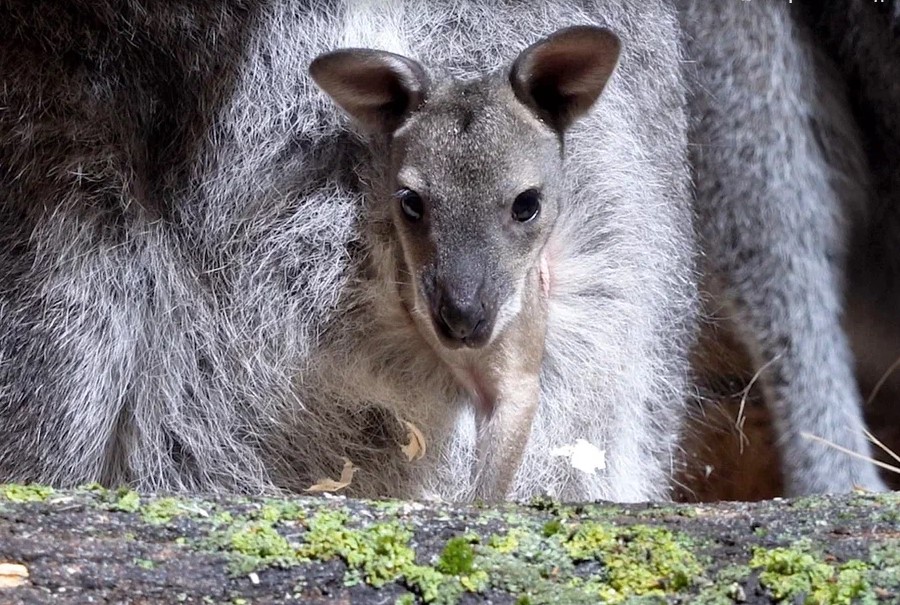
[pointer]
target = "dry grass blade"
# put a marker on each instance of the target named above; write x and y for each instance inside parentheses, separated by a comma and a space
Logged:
(881, 445)
(415, 449)
(12, 575)
(881, 381)
(878, 463)
(330, 485)
(745, 393)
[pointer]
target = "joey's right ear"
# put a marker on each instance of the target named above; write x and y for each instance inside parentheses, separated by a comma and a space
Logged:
(379, 89)
(561, 76)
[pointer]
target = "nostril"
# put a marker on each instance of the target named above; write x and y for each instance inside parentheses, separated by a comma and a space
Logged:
(447, 316)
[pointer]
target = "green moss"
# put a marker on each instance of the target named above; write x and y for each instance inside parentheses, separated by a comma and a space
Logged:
(477, 581)
(807, 503)
(25, 493)
(590, 542)
(637, 560)
(507, 543)
(794, 573)
(93, 488)
(513, 519)
(552, 527)
(377, 554)
(886, 556)
(431, 585)
(278, 511)
(728, 587)
(851, 585)
(145, 564)
(557, 562)
(563, 559)
(387, 507)
(126, 501)
(162, 510)
(544, 503)
(457, 558)
(255, 545)
(592, 512)
(886, 498)
(888, 507)
(223, 518)
(262, 541)
(327, 535)
(657, 511)
(381, 553)
(868, 500)
(406, 599)
(535, 569)
(885, 560)
(890, 515)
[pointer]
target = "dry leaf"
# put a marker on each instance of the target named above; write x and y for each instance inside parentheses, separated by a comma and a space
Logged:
(583, 456)
(415, 449)
(330, 485)
(12, 575)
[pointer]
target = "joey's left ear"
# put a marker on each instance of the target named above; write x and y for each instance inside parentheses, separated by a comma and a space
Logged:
(561, 76)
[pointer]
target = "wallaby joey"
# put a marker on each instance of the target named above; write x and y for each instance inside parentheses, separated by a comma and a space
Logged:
(476, 185)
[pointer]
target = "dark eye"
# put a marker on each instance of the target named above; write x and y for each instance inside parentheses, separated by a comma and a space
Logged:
(527, 205)
(411, 204)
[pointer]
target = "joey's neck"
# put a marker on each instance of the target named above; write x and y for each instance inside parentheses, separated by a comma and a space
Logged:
(479, 386)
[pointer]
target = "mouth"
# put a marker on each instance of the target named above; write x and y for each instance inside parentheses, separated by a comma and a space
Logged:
(477, 338)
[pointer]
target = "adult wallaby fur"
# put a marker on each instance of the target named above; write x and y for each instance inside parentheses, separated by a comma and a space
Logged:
(206, 283)
(864, 39)
(782, 187)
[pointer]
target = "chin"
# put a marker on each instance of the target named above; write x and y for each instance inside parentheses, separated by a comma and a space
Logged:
(480, 338)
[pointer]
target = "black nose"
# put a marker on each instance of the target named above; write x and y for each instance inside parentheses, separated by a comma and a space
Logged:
(461, 318)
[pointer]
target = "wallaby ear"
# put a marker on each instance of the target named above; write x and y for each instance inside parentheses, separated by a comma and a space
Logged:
(561, 76)
(379, 89)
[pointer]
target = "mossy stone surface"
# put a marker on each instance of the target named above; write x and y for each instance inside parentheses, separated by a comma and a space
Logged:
(212, 549)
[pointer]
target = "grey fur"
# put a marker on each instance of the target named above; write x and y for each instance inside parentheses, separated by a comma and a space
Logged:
(199, 283)
(782, 185)
(865, 41)
(478, 181)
